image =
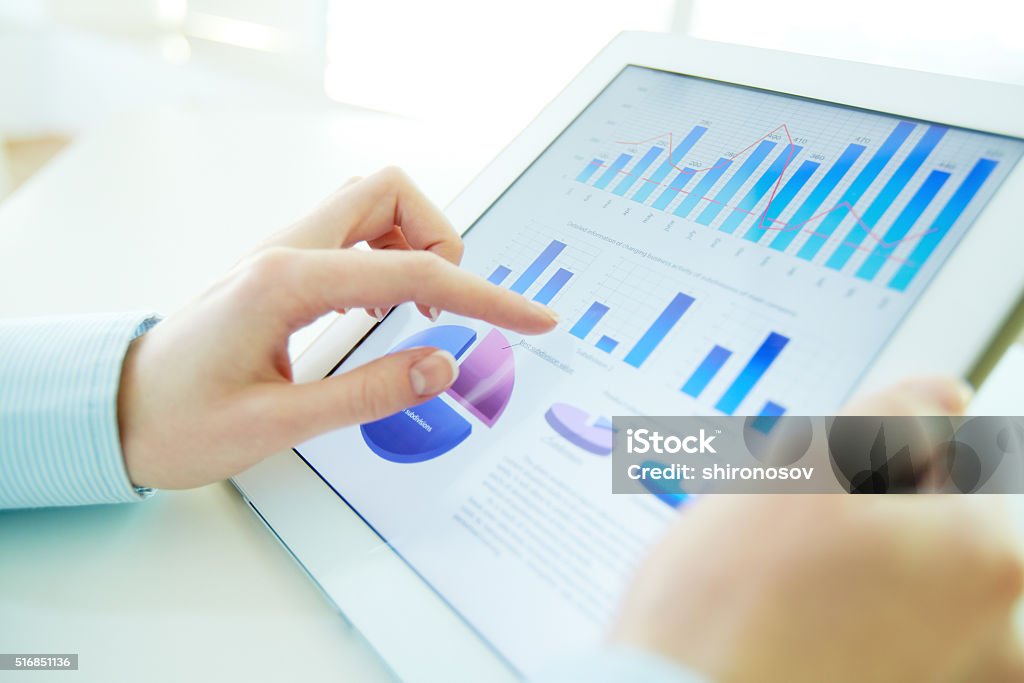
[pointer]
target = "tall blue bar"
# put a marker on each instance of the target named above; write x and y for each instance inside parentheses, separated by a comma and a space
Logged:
(902, 225)
(890, 191)
(817, 197)
(711, 177)
(751, 373)
(766, 182)
(534, 270)
(589, 170)
(674, 161)
(769, 415)
(613, 170)
(856, 190)
(499, 275)
(658, 329)
(606, 344)
(553, 286)
(588, 320)
(637, 171)
(706, 371)
(943, 223)
(673, 189)
(724, 195)
(781, 200)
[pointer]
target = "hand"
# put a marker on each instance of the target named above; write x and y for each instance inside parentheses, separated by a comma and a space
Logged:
(208, 392)
(836, 588)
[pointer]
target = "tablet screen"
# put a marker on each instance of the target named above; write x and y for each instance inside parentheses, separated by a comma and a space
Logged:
(710, 249)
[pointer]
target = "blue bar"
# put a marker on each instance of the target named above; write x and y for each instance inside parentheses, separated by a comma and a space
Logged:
(552, 286)
(856, 190)
(769, 415)
(751, 373)
(674, 160)
(531, 274)
(673, 189)
(817, 197)
(892, 189)
(760, 189)
(637, 171)
(943, 223)
(706, 371)
(779, 202)
(658, 329)
(588, 320)
(589, 170)
(499, 275)
(606, 344)
(906, 220)
(724, 195)
(612, 171)
(711, 177)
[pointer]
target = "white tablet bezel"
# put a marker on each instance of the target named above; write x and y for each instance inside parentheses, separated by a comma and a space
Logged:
(409, 625)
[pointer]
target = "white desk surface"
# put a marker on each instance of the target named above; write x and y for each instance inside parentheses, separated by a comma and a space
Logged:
(142, 215)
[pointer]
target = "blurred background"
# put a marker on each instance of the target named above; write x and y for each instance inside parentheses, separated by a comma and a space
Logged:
(484, 69)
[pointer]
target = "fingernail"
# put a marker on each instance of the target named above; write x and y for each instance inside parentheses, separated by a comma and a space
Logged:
(378, 313)
(548, 312)
(948, 394)
(433, 314)
(433, 374)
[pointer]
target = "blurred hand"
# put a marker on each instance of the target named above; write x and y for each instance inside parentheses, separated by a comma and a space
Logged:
(209, 391)
(805, 588)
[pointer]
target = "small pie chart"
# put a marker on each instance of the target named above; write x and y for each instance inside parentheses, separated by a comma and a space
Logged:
(577, 426)
(483, 388)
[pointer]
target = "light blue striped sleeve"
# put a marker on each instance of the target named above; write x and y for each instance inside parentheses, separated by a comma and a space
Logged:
(618, 664)
(59, 439)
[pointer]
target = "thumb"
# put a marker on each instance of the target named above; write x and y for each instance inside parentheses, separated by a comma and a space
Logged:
(369, 392)
(917, 396)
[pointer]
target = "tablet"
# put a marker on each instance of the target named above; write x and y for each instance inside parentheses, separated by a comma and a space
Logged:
(722, 231)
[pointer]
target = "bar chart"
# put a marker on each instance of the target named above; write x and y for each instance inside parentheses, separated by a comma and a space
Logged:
(876, 211)
(587, 326)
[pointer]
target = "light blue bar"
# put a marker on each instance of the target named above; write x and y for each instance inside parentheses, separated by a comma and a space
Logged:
(588, 320)
(769, 415)
(706, 371)
(711, 177)
(589, 170)
(817, 197)
(658, 330)
(751, 373)
(533, 272)
(779, 203)
(943, 223)
(902, 225)
(613, 170)
(606, 344)
(724, 195)
(499, 275)
(674, 161)
(856, 190)
(673, 189)
(892, 189)
(553, 286)
(766, 182)
(637, 171)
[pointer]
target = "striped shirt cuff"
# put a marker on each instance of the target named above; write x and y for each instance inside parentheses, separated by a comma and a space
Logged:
(59, 438)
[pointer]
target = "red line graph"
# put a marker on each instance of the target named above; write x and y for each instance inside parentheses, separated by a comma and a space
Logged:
(776, 225)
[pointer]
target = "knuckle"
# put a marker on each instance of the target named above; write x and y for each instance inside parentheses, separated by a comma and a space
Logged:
(368, 398)
(393, 176)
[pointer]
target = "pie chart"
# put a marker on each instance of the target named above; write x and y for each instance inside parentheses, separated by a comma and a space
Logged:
(577, 426)
(483, 388)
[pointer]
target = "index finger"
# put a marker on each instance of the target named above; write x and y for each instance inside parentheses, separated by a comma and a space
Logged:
(372, 208)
